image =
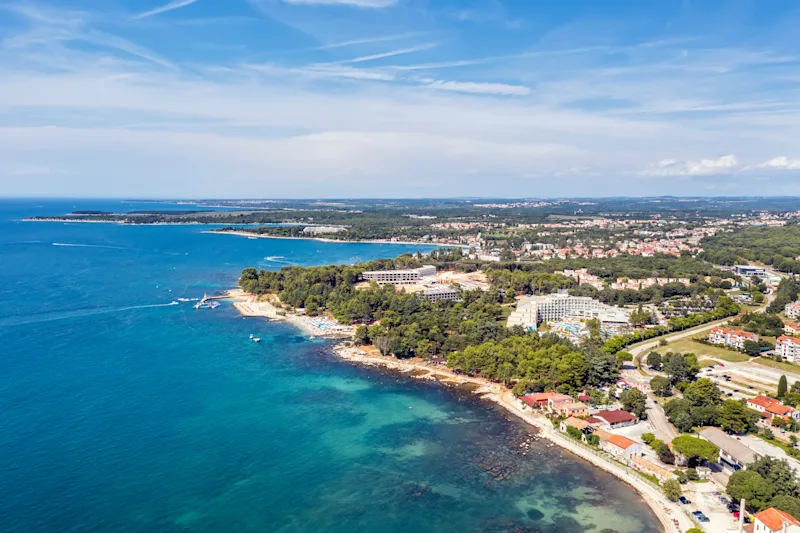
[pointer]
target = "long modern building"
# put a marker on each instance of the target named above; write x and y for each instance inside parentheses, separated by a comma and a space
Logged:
(533, 310)
(434, 294)
(400, 277)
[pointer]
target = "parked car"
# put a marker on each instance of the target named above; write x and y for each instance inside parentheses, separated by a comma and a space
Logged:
(729, 394)
(700, 516)
(735, 390)
(684, 500)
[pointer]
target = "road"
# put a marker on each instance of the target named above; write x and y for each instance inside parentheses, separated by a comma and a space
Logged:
(655, 413)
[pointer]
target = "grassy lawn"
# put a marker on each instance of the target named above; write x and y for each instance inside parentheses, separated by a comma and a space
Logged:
(687, 345)
(788, 367)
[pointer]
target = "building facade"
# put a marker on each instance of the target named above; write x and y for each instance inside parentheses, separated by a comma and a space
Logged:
(788, 348)
(772, 407)
(732, 338)
(749, 271)
(533, 310)
(436, 294)
(732, 454)
(399, 277)
(792, 309)
(774, 520)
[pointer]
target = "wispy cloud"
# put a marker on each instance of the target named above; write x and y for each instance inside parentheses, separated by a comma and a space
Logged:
(368, 40)
(176, 4)
(479, 88)
(780, 163)
(354, 3)
(392, 53)
(322, 71)
(670, 167)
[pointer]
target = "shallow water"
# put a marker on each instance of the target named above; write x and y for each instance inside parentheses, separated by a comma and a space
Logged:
(122, 413)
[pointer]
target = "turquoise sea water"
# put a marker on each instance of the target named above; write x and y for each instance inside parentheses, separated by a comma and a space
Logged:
(119, 412)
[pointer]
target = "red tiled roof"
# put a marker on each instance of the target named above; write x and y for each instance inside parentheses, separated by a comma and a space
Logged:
(736, 332)
(622, 442)
(615, 417)
(775, 518)
(771, 405)
(785, 338)
(593, 420)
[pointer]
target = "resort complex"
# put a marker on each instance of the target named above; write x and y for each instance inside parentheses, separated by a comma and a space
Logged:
(533, 310)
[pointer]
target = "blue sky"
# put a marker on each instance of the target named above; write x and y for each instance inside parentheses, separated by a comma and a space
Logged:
(399, 98)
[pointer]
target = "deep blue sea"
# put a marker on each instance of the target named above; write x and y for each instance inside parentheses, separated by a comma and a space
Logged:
(121, 413)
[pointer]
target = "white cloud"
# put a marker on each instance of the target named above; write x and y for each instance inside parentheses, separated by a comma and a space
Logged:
(670, 167)
(479, 88)
(176, 4)
(355, 3)
(780, 163)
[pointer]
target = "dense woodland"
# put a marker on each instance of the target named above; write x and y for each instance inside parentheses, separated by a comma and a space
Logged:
(776, 246)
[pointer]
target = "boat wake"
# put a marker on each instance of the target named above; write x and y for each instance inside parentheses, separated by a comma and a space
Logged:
(78, 245)
(277, 259)
(109, 247)
(75, 313)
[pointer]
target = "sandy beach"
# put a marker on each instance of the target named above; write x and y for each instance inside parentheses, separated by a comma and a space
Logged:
(323, 239)
(265, 306)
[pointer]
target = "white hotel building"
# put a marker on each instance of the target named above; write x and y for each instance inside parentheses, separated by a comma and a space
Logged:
(788, 348)
(400, 277)
(533, 310)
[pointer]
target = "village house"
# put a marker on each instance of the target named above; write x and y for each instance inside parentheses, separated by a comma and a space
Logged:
(539, 400)
(770, 408)
(788, 348)
(580, 423)
(732, 338)
(792, 328)
(643, 465)
(773, 520)
(615, 419)
(568, 407)
(622, 448)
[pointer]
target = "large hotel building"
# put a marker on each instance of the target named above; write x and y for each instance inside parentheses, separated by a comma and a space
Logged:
(400, 277)
(533, 310)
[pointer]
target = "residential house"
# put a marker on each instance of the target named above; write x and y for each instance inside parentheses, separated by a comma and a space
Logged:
(788, 348)
(568, 407)
(579, 423)
(773, 520)
(732, 453)
(732, 338)
(792, 328)
(770, 408)
(622, 448)
(539, 400)
(643, 465)
(616, 419)
(792, 310)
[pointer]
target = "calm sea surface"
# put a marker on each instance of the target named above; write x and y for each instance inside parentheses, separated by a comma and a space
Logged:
(121, 413)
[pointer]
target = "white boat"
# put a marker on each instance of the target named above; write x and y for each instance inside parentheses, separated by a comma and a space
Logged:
(256, 339)
(251, 335)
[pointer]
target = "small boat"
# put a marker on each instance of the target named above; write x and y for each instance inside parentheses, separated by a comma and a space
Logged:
(256, 339)
(251, 336)
(206, 305)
